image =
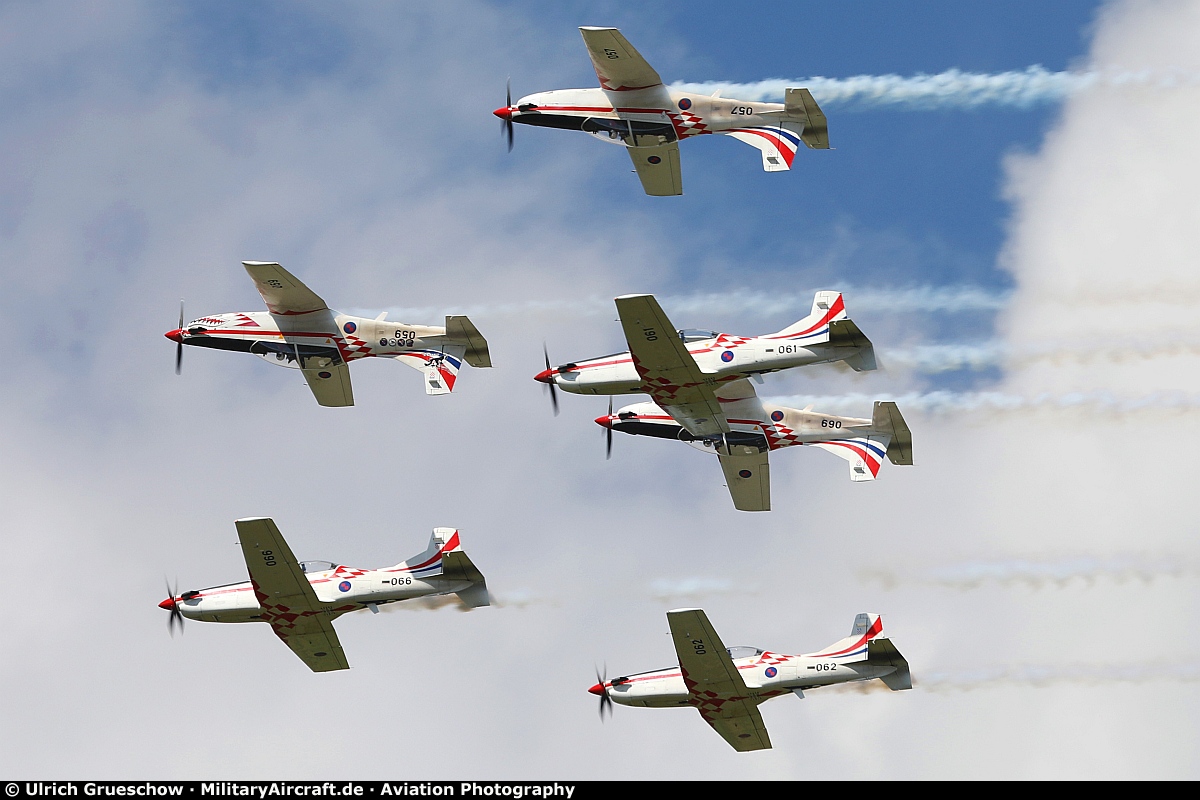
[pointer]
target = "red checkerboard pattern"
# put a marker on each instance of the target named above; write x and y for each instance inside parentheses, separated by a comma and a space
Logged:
(687, 124)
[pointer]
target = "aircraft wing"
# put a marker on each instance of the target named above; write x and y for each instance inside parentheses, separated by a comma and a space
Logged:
(619, 67)
(287, 599)
(668, 371)
(749, 480)
(281, 290)
(658, 169)
(714, 686)
(330, 383)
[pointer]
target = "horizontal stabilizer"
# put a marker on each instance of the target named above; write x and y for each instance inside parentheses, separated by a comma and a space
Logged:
(881, 652)
(799, 105)
(844, 333)
(462, 330)
(886, 419)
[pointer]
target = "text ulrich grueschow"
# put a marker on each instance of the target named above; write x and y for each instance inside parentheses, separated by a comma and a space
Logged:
(260, 791)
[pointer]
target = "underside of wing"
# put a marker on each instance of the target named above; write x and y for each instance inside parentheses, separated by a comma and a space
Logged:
(619, 67)
(748, 476)
(314, 640)
(668, 372)
(658, 169)
(287, 599)
(330, 383)
(742, 726)
(714, 686)
(281, 290)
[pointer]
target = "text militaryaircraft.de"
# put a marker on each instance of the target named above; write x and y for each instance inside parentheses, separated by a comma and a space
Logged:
(701, 396)
(301, 599)
(299, 330)
(633, 108)
(726, 685)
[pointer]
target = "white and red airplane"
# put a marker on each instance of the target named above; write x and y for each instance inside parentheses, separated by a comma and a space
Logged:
(726, 685)
(299, 330)
(753, 428)
(633, 108)
(301, 599)
(673, 366)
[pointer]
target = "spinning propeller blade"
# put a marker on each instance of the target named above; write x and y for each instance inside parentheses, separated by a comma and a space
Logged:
(171, 604)
(550, 385)
(506, 124)
(606, 703)
(608, 432)
(179, 349)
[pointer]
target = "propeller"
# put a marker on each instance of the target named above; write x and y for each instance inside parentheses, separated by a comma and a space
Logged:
(606, 703)
(173, 607)
(550, 384)
(179, 351)
(608, 432)
(506, 124)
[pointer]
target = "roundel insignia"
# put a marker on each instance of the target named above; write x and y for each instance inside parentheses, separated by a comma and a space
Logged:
(727, 356)
(349, 327)
(771, 672)
(654, 159)
(383, 342)
(777, 416)
(344, 586)
(685, 104)
(325, 374)
(745, 473)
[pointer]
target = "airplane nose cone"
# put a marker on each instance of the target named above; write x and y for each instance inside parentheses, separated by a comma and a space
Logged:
(175, 335)
(503, 113)
(598, 689)
(167, 604)
(604, 422)
(545, 376)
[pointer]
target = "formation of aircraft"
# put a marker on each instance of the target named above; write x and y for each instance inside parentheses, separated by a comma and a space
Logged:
(299, 330)
(701, 393)
(754, 428)
(301, 599)
(633, 108)
(727, 684)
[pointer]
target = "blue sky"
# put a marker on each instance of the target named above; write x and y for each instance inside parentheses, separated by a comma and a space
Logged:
(149, 148)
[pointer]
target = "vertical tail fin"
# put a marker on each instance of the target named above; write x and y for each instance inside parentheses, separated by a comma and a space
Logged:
(854, 647)
(813, 329)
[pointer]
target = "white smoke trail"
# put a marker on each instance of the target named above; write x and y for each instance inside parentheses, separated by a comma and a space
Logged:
(693, 586)
(933, 358)
(1042, 573)
(915, 299)
(1035, 676)
(947, 402)
(950, 89)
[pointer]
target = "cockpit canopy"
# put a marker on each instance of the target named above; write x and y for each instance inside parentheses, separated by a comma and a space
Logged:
(743, 651)
(316, 566)
(696, 335)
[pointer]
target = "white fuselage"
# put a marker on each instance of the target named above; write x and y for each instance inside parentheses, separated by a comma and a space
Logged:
(642, 117)
(344, 588)
(766, 675)
(278, 338)
(725, 357)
